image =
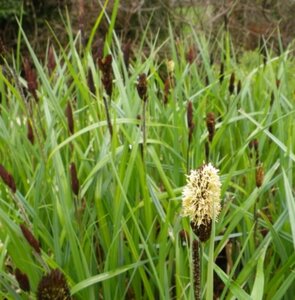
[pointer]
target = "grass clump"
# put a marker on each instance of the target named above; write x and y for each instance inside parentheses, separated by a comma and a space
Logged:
(94, 154)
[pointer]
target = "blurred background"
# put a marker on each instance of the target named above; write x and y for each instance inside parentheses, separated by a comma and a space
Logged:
(249, 21)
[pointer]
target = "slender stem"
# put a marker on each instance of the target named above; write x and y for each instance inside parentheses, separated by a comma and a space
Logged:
(197, 269)
(108, 116)
(255, 222)
(187, 157)
(144, 126)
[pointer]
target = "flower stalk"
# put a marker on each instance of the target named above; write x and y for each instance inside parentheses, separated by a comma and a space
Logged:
(201, 203)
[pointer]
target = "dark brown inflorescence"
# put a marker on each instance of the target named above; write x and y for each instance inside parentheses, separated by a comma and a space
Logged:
(210, 121)
(30, 132)
(202, 231)
(34, 243)
(259, 175)
(51, 63)
(74, 179)
(31, 78)
(53, 286)
(142, 87)
(7, 179)
(191, 55)
(70, 118)
(239, 86)
(231, 87)
(22, 279)
(105, 66)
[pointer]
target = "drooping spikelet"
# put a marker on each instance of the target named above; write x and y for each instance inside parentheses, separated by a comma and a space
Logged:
(201, 199)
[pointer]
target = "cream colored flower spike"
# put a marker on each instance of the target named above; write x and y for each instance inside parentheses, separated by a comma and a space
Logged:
(201, 195)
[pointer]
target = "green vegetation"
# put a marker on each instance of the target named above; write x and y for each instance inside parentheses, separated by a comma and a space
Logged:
(100, 198)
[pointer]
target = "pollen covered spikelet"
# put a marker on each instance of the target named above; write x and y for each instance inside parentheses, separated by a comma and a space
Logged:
(201, 198)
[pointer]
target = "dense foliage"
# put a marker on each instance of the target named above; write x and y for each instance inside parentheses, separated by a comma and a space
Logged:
(94, 152)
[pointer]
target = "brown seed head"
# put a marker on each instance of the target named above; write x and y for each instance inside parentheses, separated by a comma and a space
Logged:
(239, 86)
(210, 121)
(30, 134)
(189, 114)
(142, 87)
(31, 78)
(34, 243)
(53, 286)
(51, 63)
(70, 118)
(259, 175)
(231, 87)
(90, 82)
(191, 55)
(105, 66)
(74, 179)
(7, 179)
(22, 279)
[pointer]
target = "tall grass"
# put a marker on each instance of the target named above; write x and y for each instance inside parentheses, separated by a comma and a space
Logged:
(121, 234)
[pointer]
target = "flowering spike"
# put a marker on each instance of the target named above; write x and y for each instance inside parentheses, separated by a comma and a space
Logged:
(201, 199)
